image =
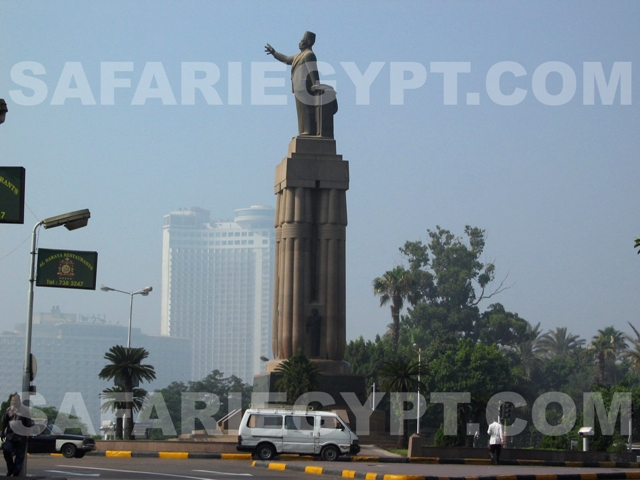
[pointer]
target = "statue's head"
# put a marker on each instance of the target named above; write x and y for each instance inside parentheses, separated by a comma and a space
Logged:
(308, 39)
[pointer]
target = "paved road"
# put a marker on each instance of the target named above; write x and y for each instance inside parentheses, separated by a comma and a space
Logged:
(101, 468)
(455, 470)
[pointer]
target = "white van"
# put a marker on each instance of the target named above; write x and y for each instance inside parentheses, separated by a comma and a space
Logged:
(266, 432)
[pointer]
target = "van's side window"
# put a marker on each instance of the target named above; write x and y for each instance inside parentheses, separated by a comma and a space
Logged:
(298, 422)
(265, 421)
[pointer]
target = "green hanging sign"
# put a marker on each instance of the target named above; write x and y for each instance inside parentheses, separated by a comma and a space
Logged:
(12, 194)
(66, 269)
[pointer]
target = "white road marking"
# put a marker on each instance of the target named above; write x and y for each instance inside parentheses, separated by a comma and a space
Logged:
(225, 473)
(77, 474)
(138, 471)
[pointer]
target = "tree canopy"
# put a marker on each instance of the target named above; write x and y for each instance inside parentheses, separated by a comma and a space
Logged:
(299, 376)
(470, 345)
(213, 384)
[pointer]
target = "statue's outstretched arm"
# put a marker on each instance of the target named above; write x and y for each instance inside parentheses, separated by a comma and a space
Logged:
(278, 56)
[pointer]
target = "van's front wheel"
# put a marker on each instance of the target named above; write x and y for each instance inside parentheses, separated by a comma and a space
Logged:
(330, 453)
(265, 451)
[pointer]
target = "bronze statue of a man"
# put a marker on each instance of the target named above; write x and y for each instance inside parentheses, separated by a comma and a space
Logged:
(305, 84)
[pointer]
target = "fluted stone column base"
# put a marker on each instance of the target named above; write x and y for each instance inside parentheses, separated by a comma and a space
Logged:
(310, 268)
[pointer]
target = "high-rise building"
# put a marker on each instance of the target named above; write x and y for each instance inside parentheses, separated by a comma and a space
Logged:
(216, 288)
(70, 350)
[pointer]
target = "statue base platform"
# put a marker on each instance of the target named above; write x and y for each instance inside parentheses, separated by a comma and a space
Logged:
(325, 366)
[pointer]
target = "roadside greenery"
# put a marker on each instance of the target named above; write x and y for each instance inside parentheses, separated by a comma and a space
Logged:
(215, 383)
(299, 376)
(126, 369)
(442, 300)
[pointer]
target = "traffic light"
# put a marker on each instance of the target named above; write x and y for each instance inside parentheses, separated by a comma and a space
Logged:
(505, 411)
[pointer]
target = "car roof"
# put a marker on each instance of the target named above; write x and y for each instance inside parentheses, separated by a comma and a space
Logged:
(288, 411)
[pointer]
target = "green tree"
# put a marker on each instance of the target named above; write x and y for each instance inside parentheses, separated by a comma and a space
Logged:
(602, 442)
(471, 367)
(450, 282)
(633, 354)
(299, 376)
(402, 376)
(66, 422)
(527, 354)
(127, 369)
(560, 343)
(607, 346)
(394, 287)
(503, 328)
(172, 396)
(366, 356)
(213, 384)
(637, 244)
(217, 384)
(114, 402)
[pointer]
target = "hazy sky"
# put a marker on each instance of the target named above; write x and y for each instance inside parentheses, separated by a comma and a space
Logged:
(516, 117)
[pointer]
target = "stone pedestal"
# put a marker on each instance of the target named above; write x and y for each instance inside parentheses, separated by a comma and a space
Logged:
(309, 304)
(309, 286)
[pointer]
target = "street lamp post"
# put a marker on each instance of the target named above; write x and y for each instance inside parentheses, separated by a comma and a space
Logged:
(144, 292)
(415, 345)
(71, 221)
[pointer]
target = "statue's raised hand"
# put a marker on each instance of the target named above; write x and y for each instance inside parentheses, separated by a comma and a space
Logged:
(269, 49)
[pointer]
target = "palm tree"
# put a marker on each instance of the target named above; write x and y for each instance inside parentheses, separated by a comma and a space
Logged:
(115, 403)
(634, 355)
(394, 286)
(607, 345)
(529, 351)
(560, 343)
(126, 369)
(402, 376)
(299, 376)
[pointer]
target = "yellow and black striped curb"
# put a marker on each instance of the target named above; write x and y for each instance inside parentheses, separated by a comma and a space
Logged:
(339, 473)
(170, 455)
(386, 476)
(371, 459)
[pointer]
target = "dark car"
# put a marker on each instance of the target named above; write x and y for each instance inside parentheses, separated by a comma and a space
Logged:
(54, 440)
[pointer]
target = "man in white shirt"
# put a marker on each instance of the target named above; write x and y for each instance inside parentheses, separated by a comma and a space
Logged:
(495, 441)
